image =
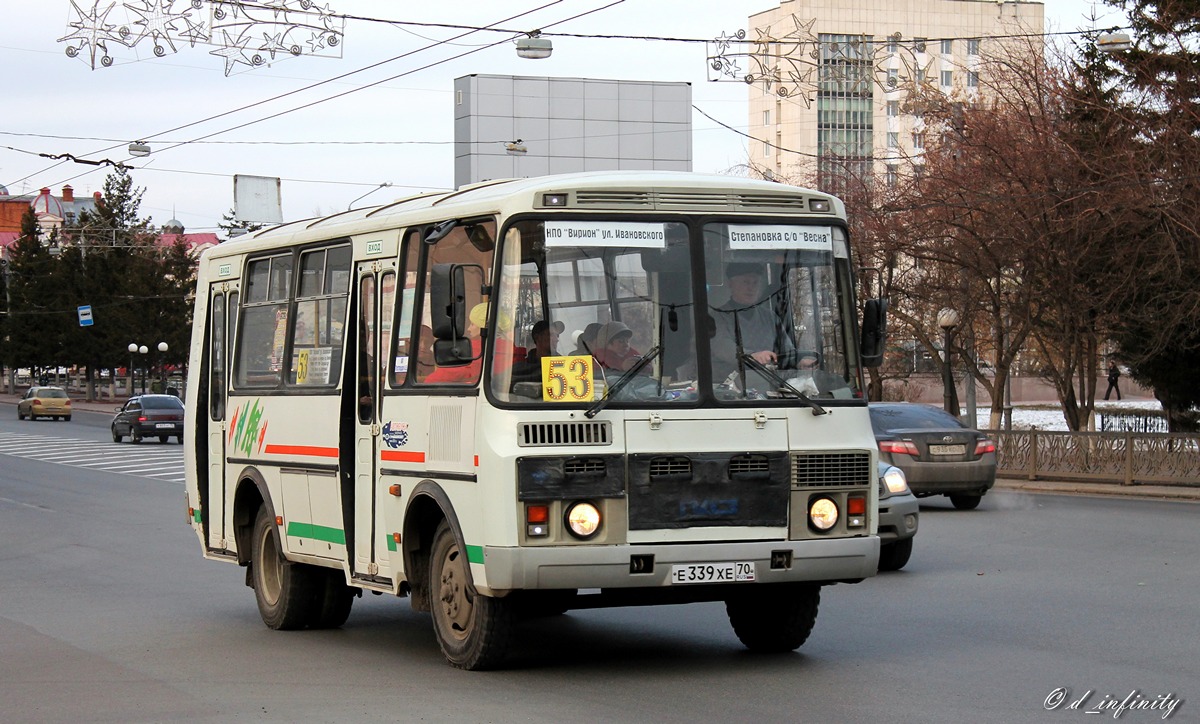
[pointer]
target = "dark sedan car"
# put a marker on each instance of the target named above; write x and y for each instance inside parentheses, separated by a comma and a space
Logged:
(145, 416)
(938, 454)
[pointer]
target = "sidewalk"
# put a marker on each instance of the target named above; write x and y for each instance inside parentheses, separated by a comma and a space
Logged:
(1052, 487)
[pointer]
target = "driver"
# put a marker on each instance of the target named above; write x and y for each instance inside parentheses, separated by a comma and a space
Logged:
(748, 312)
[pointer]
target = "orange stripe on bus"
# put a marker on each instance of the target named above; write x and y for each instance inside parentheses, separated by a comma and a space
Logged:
(476, 461)
(320, 452)
(400, 456)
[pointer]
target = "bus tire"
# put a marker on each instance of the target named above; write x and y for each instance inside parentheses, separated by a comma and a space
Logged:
(288, 594)
(776, 618)
(473, 631)
(336, 600)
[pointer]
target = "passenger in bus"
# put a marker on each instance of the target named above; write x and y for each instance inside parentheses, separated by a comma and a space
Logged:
(616, 354)
(585, 341)
(467, 374)
(545, 341)
(506, 352)
(752, 315)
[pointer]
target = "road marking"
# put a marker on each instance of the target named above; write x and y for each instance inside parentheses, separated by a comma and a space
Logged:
(158, 461)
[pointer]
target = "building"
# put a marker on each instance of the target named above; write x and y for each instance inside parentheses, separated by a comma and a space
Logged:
(56, 212)
(516, 126)
(829, 79)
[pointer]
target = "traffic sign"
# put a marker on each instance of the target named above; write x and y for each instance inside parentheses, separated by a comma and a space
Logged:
(85, 316)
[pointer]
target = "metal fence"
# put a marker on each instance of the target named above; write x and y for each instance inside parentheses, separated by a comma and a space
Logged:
(1127, 458)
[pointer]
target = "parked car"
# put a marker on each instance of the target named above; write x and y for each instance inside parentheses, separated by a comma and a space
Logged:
(145, 416)
(938, 454)
(44, 402)
(898, 514)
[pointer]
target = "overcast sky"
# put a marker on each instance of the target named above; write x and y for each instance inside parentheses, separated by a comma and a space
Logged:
(402, 127)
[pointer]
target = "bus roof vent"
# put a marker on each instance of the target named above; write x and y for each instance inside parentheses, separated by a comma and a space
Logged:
(615, 199)
(769, 201)
(536, 434)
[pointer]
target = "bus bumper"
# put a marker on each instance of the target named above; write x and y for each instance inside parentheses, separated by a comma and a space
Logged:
(566, 567)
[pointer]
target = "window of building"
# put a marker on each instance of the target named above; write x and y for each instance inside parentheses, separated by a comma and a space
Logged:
(919, 45)
(893, 139)
(972, 79)
(893, 45)
(893, 109)
(892, 177)
(973, 46)
(918, 140)
(947, 77)
(947, 47)
(893, 78)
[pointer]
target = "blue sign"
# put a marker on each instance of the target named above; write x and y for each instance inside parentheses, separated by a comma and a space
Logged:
(85, 316)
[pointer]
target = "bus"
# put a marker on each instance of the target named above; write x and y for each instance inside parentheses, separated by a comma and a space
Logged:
(528, 396)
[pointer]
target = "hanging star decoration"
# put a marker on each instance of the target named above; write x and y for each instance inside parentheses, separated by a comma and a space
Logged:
(92, 31)
(287, 28)
(782, 60)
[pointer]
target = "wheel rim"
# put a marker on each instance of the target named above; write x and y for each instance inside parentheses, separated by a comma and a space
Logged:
(454, 605)
(268, 568)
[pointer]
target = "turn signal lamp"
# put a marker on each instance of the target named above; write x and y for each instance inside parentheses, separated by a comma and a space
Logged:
(537, 518)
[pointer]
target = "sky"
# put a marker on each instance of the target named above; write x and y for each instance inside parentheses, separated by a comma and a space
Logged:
(391, 122)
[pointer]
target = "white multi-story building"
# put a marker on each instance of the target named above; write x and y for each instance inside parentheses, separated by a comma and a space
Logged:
(829, 79)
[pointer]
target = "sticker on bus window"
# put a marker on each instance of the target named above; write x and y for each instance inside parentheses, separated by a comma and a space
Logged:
(606, 233)
(815, 238)
(313, 365)
(568, 379)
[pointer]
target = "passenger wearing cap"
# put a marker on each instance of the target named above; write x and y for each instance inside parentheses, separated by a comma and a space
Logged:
(753, 315)
(613, 349)
(468, 373)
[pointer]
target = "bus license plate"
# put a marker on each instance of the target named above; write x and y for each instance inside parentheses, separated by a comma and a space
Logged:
(947, 449)
(713, 572)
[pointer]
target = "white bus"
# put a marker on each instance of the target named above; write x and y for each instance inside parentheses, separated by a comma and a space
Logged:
(536, 395)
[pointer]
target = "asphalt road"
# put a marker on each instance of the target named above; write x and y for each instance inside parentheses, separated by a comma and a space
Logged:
(108, 614)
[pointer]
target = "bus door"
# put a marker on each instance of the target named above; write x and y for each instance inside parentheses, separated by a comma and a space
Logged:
(222, 317)
(376, 295)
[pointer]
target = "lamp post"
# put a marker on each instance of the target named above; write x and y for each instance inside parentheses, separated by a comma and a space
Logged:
(947, 319)
(162, 366)
(134, 348)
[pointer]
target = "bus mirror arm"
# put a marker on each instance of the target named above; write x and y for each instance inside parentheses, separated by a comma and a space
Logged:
(448, 301)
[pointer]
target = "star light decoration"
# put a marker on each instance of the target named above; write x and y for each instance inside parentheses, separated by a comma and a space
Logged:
(787, 62)
(244, 32)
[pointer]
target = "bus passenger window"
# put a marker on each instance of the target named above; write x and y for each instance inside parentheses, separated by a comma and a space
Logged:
(469, 243)
(263, 331)
(318, 325)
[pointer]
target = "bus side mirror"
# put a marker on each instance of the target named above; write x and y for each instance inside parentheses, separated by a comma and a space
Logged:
(874, 332)
(448, 301)
(452, 352)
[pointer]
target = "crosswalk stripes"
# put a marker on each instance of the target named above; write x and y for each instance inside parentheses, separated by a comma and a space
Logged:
(148, 460)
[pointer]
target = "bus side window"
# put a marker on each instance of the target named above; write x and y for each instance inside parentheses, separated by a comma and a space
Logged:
(216, 341)
(319, 321)
(263, 331)
(406, 358)
(469, 243)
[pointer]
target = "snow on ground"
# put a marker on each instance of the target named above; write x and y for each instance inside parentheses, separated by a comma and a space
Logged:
(1050, 416)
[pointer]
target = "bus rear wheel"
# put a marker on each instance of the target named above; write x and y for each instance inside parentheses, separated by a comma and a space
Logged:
(776, 618)
(473, 631)
(289, 595)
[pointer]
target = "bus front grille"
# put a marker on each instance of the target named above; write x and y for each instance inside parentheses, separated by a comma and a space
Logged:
(564, 433)
(836, 470)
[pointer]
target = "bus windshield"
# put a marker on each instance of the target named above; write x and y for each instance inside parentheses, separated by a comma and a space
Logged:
(649, 313)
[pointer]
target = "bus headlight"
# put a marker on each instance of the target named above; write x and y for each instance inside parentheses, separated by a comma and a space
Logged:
(822, 514)
(583, 520)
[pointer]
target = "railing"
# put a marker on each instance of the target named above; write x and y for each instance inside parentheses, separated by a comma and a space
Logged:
(1125, 458)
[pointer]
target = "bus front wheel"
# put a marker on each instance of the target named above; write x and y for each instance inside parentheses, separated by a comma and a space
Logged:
(774, 618)
(289, 595)
(473, 631)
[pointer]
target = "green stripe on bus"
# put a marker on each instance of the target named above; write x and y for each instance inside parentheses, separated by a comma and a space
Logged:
(196, 515)
(475, 554)
(317, 532)
(391, 543)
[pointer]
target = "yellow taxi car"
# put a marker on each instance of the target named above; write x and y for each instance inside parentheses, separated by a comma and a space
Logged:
(44, 402)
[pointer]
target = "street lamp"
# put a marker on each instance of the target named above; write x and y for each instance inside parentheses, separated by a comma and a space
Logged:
(947, 319)
(534, 47)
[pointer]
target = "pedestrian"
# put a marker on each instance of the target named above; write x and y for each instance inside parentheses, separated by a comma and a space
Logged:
(1114, 374)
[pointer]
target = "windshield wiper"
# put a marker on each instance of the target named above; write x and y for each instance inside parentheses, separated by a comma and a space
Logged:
(623, 380)
(782, 383)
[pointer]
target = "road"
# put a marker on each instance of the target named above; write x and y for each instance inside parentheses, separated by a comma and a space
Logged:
(108, 614)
